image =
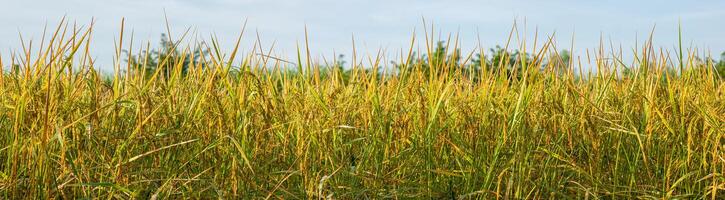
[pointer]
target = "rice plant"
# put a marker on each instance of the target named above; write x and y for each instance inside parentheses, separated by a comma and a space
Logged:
(437, 123)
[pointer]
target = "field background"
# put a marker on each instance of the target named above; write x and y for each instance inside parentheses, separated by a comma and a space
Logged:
(520, 121)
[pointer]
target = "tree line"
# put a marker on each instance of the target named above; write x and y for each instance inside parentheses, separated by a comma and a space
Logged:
(498, 58)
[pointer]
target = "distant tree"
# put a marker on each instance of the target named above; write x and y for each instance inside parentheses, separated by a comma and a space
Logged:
(166, 57)
(441, 57)
(558, 62)
(502, 59)
(720, 66)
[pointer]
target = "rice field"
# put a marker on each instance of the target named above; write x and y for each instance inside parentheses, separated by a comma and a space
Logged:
(202, 122)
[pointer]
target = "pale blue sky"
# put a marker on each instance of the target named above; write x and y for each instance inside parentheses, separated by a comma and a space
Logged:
(376, 24)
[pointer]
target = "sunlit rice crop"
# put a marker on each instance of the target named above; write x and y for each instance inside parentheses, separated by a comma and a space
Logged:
(438, 123)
